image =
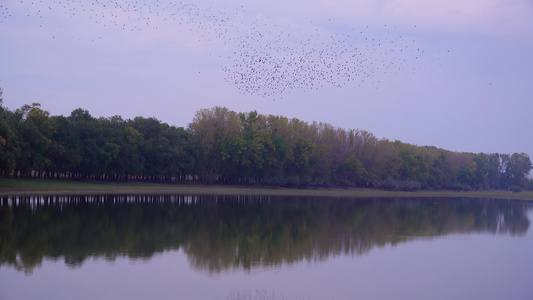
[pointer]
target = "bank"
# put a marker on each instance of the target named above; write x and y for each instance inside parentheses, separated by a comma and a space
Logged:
(20, 187)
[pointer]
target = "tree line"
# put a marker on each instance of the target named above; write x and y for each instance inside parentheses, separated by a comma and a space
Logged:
(226, 147)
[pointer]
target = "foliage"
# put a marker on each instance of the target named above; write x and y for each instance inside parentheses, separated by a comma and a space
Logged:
(529, 184)
(226, 147)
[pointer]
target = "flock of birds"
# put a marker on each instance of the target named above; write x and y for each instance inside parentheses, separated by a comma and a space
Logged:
(259, 55)
(270, 62)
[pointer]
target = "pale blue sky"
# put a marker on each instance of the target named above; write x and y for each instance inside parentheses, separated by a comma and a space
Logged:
(453, 74)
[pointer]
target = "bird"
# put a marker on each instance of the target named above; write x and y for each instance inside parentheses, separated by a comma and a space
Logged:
(263, 58)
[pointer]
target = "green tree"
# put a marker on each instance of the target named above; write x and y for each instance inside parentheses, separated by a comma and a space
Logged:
(8, 140)
(517, 167)
(34, 131)
(303, 157)
(88, 145)
(352, 173)
(179, 155)
(65, 151)
(467, 175)
(438, 169)
(152, 146)
(231, 152)
(259, 155)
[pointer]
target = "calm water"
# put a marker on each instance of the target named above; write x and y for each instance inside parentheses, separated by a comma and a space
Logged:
(229, 247)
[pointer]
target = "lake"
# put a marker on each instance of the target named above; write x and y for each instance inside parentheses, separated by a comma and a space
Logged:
(260, 247)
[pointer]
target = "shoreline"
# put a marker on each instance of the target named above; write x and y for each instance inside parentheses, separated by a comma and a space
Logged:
(29, 187)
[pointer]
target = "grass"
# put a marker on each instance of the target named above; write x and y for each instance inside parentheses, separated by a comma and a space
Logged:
(13, 187)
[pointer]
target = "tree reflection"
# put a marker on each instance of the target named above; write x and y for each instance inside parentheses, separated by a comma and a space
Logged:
(221, 232)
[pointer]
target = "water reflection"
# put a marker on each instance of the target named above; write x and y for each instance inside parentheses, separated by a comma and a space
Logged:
(221, 232)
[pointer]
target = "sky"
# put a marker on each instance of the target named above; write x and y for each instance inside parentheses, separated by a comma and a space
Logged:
(454, 74)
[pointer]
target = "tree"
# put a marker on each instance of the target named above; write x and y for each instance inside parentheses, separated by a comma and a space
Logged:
(87, 144)
(249, 121)
(467, 175)
(438, 169)
(65, 151)
(231, 152)
(529, 184)
(179, 156)
(259, 155)
(8, 140)
(303, 157)
(388, 161)
(34, 131)
(209, 126)
(517, 167)
(352, 173)
(130, 159)
(493, 170)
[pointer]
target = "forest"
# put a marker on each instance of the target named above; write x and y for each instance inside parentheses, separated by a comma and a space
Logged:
(221, 146)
